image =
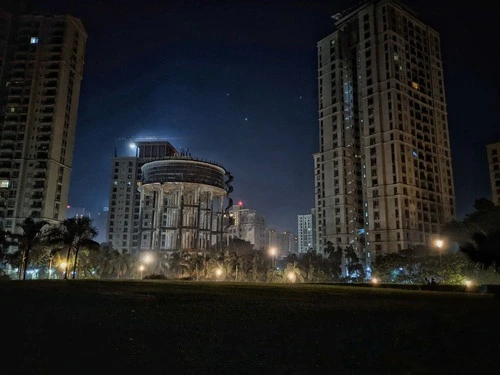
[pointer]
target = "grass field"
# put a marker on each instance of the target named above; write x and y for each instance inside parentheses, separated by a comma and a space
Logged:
(162, 327)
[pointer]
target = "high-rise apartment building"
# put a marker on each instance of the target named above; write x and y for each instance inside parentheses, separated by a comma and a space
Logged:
(383, 174)
(41, 67)
(493, 151)
(306, 232)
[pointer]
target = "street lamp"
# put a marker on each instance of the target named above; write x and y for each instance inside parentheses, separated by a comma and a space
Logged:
(218, 273)
(273, 252)
(439, 244)
(148, 259)
(63, 266)
(141, 268)
(291, 276)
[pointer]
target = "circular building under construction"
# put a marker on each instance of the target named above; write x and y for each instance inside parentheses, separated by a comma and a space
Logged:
(182, 204)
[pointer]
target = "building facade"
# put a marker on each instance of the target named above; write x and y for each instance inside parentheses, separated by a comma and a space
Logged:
(248, 226)
(41, 68)
(284, 243)
(123, 224)
(493, 151)
(306, 230)
(383, 174)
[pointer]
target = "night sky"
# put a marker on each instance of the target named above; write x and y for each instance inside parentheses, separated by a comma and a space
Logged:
(235, 82)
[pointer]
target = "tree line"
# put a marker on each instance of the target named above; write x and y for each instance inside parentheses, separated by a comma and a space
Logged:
(68, 250)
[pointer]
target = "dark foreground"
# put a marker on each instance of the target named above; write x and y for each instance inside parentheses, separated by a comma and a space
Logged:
(156, 327)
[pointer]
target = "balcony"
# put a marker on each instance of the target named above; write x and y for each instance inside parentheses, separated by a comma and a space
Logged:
(39, 185)
(45, 129)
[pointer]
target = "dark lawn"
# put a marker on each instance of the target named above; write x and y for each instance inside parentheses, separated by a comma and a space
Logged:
(162, 327)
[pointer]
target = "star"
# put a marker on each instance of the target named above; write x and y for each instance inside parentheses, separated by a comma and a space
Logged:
(246, 118)
(227, 94)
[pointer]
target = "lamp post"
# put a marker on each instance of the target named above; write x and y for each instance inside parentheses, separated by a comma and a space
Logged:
(218, 273)
(273, 252)
(63, 265)
(439, 245)
(148, 259)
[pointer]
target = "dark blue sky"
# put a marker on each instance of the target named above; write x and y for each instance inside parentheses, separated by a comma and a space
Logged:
(235, 82)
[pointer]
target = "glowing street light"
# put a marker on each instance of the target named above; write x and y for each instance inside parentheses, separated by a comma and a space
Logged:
(439, 244)
(63, 266)
(291, 276)
(148, 258)
(273, 252)
(375, 281)
(468, 283)
(141, 268)
(218, 273)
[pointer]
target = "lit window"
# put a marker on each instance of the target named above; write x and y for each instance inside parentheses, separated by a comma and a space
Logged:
(4, 183)
(12, 109)
(415, 85)
(34, 40)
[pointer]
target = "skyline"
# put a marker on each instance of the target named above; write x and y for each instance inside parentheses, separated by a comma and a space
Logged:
(255, 87)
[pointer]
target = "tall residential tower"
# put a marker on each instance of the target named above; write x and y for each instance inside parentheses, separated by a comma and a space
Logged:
(383, 174)
(41, 67)
(493, 151)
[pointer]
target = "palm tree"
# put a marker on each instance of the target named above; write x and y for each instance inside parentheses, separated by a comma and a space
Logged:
(75, 234)
(31, 237)
(484, 250)
(121, 263)
(257, 266)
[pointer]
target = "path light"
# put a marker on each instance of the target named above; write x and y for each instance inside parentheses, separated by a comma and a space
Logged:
(291, 276)
(375, 281)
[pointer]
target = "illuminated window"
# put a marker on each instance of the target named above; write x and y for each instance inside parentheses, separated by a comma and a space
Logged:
(12, 109)
(34, 40)
(4, 183)
(415, 85)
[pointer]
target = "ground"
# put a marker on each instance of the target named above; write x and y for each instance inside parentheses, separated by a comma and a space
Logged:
(224, 328)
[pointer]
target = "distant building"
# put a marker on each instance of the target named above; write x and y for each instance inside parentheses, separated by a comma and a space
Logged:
(306, 232)
(41, 68)
(72, 212)
(383, 172)
(493, 150)
(289, 243)
(285, 243)
(248, 226)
